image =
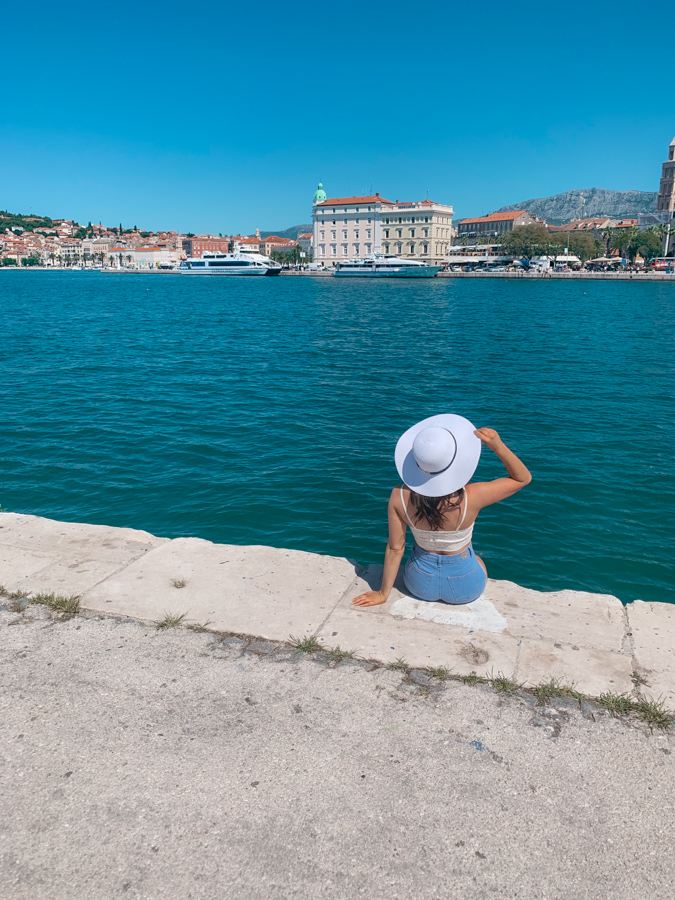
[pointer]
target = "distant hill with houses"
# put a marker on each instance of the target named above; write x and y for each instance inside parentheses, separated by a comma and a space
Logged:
(588, 203)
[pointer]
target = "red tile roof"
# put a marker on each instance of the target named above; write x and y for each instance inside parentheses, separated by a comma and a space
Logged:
(495, 217)
(354, 201)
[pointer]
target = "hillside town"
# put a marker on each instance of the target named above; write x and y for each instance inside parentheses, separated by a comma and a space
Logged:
(355, 227)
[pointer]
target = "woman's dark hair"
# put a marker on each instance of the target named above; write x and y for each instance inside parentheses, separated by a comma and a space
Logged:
(432, 509)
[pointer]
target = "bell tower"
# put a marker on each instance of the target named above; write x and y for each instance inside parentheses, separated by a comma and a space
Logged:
(666, 199)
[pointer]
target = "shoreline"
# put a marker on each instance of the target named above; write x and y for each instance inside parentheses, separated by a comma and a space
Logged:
(522, 276)
(590, 642)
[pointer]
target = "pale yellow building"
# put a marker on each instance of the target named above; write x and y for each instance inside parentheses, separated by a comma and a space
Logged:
(419, 229)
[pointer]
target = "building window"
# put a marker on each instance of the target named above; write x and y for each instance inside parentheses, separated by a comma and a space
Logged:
(345, 250)
(333, 219)
(400, 219)
(399, 247)
(412, 232)
(345, 221)
(333, 250)
(356, 220)
(356, 249)
(386, 248)
(323, 235)
(323, 222)
(426, 232)
(333, 235)
(399, 232)
(356, 233)
(426, 249)
(413, 220)
(344, 235)
(386, 221)
(368, 233)
(412, 248)
(368, 250)
(322, 249)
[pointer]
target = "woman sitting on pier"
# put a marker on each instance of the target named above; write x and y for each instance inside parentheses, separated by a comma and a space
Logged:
(435, 459)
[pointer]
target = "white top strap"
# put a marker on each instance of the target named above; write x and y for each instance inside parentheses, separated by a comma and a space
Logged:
(404, 509)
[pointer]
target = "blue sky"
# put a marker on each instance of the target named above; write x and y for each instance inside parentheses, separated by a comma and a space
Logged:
(222, 117)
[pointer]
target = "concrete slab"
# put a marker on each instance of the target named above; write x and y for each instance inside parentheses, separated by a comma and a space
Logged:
(387, 632)
(572, 617)
(38, 554)
(652, 630)
(480, 615)
(587, 669)
(261, 591)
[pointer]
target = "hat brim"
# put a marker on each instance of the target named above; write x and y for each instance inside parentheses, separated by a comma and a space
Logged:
(458, 474)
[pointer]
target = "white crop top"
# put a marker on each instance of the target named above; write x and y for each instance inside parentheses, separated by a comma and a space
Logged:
(441, 541)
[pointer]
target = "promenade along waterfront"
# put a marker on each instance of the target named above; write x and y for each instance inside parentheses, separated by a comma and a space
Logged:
(266, 412)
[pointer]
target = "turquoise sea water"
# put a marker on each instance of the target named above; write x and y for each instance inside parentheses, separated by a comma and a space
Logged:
(267, 410)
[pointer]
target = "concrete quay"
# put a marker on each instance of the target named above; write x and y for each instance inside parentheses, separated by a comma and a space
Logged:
(590, 642)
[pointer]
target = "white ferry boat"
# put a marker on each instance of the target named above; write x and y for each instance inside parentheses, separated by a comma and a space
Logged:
(386, 267)
(229, 264)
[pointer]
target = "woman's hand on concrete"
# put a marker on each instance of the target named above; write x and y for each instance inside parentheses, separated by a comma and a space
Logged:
(370, 598)
(489, 437)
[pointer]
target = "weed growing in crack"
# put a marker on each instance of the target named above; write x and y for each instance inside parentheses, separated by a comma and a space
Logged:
(17, 606)
(399, 665)
(637, 679)
(439, 672)
(472, 679)
(337, 654)
(502, 684)
(554, 688)
(59, 603)
(17, 595)
(307, 644)
(617, 704)
(654, 713)
(170, 620)
(178, 582)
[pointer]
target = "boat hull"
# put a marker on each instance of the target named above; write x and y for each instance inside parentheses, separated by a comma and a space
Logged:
(393, 272)
(245, 271)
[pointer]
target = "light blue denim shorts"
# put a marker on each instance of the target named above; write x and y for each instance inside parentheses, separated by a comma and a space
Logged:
(459, 578)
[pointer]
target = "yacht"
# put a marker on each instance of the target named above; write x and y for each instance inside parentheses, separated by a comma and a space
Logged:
(386, 267)
(229, 264)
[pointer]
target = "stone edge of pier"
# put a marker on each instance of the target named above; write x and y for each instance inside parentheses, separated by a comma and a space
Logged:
(588, 642)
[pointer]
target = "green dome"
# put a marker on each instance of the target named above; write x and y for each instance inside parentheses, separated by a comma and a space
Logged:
(319, 194)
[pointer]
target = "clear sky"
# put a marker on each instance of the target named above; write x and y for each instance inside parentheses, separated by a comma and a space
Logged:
(223, 116)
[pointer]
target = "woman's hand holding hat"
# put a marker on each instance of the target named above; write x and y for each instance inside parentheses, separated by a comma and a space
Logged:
(489, 437)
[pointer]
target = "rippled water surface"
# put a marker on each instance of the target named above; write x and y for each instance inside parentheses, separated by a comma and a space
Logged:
(267, 410)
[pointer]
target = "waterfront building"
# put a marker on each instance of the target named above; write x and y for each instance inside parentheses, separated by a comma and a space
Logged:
(197, 245)
(305, 242)
(418, 229)
(274, 242)
(494, 225)
(356, 227)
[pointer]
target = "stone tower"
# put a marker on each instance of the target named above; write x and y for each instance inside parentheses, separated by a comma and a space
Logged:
(666, 200)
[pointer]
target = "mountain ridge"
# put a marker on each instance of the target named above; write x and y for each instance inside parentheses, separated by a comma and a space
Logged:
(587, 203)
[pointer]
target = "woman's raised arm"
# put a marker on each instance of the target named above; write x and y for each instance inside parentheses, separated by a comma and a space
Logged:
(485, 493)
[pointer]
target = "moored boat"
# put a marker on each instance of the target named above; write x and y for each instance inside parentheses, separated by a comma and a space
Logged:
(229, 264)
(386, 267)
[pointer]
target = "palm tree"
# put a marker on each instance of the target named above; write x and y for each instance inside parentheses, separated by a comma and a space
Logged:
(128, 259)
(52, 257)
(608, 234)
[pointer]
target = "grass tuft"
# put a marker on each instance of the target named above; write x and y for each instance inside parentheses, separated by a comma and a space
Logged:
(337, 654)
(637, 679)
(502, 684)
(178, 582)
(59, 603)
(399, 665)
(3, 590)
(617, 704)
(170, 620)
(554, 688)
(306, 644)
(472, 679)
(439, 672)
(654, 713)
(17, 606)
(21, 594)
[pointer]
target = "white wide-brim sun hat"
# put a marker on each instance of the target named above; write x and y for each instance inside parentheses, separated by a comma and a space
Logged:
(438, 455)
